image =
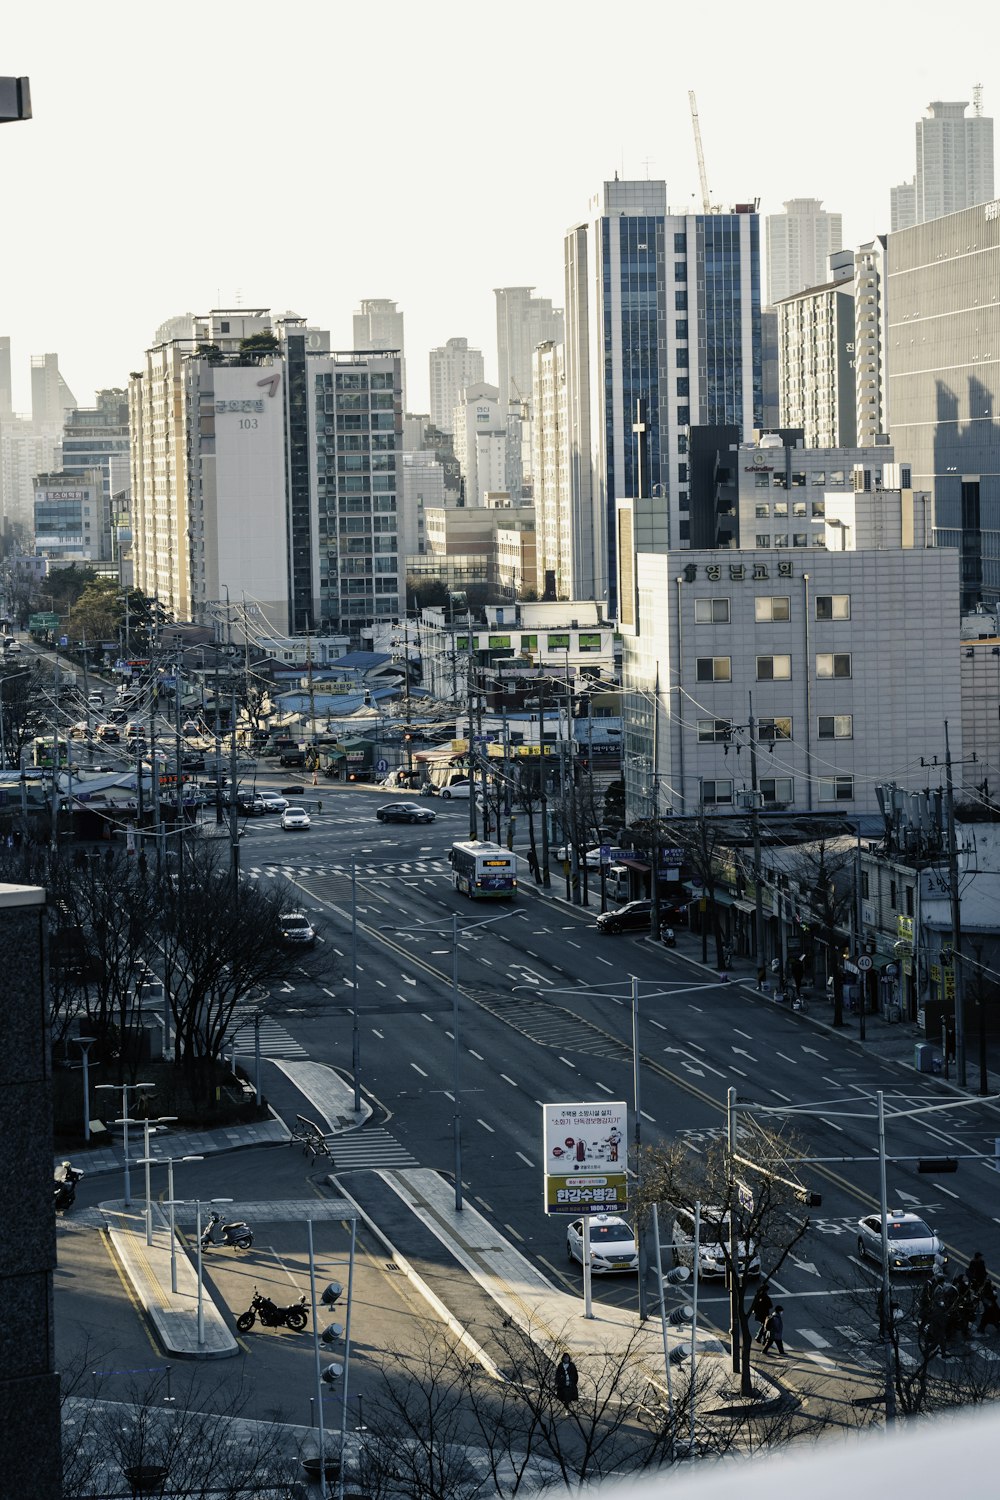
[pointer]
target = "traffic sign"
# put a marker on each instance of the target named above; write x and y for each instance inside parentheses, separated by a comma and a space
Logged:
(381, 766)
(865, 963)
(745, 1196)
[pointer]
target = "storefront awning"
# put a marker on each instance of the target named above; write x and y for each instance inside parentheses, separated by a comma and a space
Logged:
(743, 905)
(633, 864)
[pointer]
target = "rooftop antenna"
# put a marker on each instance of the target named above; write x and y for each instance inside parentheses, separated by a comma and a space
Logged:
(706, 202)
(977, 99)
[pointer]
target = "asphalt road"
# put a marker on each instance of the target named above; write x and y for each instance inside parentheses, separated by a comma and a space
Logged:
(545, 1015)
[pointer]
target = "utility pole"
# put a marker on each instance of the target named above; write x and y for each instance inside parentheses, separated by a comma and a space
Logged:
(179, 780)
(473, 820)
(758, 934)
(543, 777)
(654, 866)
(312, 697)
(154, 782)
(956, 914)
(860, 924)
(570, 819)
(234, 835)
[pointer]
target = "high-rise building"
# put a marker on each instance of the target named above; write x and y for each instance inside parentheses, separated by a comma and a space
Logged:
(50, 395)
(480, 428)
(871, 414)
(72, 517)
(903, 205)
(452, 367)
(944, 389)
(550, 472)
(378, 324)
(523, 322)
(264, 464)
(96, 437)
(799, 245)
(6, 385)
(816, 386)
(662, 330)
(954, 164)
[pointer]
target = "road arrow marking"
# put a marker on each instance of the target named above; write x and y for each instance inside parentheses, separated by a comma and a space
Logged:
(804, 1265)
(741, 1052)
(813, 1053)
(690, 1068)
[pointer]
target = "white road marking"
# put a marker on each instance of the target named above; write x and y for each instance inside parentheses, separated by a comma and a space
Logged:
(607, 961)
(775, 1092)
(937, 1185)
(611, 1091)
(642, 1112)
(832, 1123)
(508, 1080)
(567, 1062)
(477, 1055)
(427, 1017)
(418, 1070)
(658, 1024)
(743, 1033)
(485, 1126)
(816, 1339)
(379, 1034)
(380, 983)
(511, 1230)
(572, 944)
(739, 1071)
(525, 1159)
(793, 1060)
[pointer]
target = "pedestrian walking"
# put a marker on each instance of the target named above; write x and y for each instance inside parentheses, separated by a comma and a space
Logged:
(977, 1275)
(991, 1308)
(774, 1329)
(567, 1381)
(759, 1309)
(761, 977)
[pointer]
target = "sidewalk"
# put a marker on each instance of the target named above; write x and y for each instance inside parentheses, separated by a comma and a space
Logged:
(525, 1297)
(301, 1088)
(110, 1157)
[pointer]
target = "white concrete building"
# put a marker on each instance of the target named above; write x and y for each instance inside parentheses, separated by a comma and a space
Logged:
(845, 661)
(550, 471)
(903, 205)
(799, 245)
(816, 385)
(788, 496)
(523, 322)
(452, 367)
(979, 663)
(954, 167)
(871, 386)
(71, 521)
(568, 634)
(378, 324)
(479, 425)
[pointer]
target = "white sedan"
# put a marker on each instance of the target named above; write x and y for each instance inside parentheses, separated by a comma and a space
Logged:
(612, 1244)
(912, 1243)
(294, 818)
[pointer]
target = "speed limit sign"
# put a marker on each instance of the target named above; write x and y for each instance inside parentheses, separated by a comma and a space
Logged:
(864, 963)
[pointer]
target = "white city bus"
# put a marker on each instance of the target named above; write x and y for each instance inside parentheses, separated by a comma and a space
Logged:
(483, 871)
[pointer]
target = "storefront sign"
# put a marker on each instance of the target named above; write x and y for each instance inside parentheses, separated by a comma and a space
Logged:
(741, 572)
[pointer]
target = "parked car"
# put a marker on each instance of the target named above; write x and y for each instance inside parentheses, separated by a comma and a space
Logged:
(612, 1244)
(251, 804)
(456, 789)
(11, 646)
(95, 700)
(592, 858)
(912, 1243)
(294, 818)
(713, 1235)
(404, 812)
(296, 930)
(632, 917)
(273, 802)
(292, 758)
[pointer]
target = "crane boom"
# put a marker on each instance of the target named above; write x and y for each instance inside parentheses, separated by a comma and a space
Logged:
(706, 202)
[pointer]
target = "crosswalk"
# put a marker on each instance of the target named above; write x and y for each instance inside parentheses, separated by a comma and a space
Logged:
(339, 870)
(369, 1149)
(551, 1026)
(275, 1041)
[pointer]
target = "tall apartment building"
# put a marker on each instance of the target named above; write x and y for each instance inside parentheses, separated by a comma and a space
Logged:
(50, 395)
(378, 324)
(816, 378)
(452, 367)
(29, 445)
(479, 425)
(550, 472)
(903, 205)
(523, 322)
(871, 403)
(943, 334)
(268, 470)
(72, 521)
(954, 164)
(799, 244)
(6, 380)
(663, 315)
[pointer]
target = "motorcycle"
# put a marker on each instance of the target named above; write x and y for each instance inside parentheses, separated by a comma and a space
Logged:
(65, 1187)
(271, 1315)
(668, 937)
(237, 1233)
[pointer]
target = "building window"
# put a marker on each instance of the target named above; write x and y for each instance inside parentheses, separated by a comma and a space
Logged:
(682, 473)
(892, 894)
(781, 510)
(761, 480)
(774, 668)
(769, 730)
(711, 611)
(682, 358)
(836, 726)
(680, 301)
(909, 888)
(680, 244)
(684, 531)
(762, 510)
(762, 540)
(837, 477)
(819, 477)
(779, 481)
(836, 788)
(680, 270)
(715, 731)
(717, 793)
(799, 509)
(905, 477)
(683, 386)
(798, 481)
(818, 510)
(833, 606)
(681, 328)
(683, 416)
(864, 884)
(800, 539)
(715, 669)
(777, 791)
(781, 540)
(833, 664)
(769, 610)
(683, 500)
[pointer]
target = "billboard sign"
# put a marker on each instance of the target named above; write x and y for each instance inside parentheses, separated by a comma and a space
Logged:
(586, 1151)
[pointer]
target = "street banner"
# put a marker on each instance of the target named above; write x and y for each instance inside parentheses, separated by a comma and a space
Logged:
(586, 1151)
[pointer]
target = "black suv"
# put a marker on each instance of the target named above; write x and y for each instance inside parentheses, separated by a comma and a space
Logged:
(634, 916)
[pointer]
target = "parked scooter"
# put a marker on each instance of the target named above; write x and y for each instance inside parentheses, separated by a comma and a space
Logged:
(668, 936)
(237, 1233)
(271, 1315)
(65, 1186)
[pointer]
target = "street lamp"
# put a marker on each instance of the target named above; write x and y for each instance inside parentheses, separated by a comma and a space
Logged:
(148, 1129)
(84, 1043)
(201, 1288)
(125, 1122)
(156, 1161)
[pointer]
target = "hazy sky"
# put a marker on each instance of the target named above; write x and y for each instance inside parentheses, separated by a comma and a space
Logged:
(304, 155)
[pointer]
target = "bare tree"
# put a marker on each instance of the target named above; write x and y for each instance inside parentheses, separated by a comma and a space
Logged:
(824, 876)
(25, 712)
(752, 1204)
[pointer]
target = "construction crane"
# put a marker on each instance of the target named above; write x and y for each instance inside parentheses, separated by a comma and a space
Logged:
(706, 202)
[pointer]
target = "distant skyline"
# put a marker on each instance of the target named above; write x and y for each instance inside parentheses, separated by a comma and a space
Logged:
(313, 155)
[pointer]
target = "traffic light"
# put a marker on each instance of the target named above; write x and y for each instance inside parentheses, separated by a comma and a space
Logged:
(811, 1200)
(937, 1164)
